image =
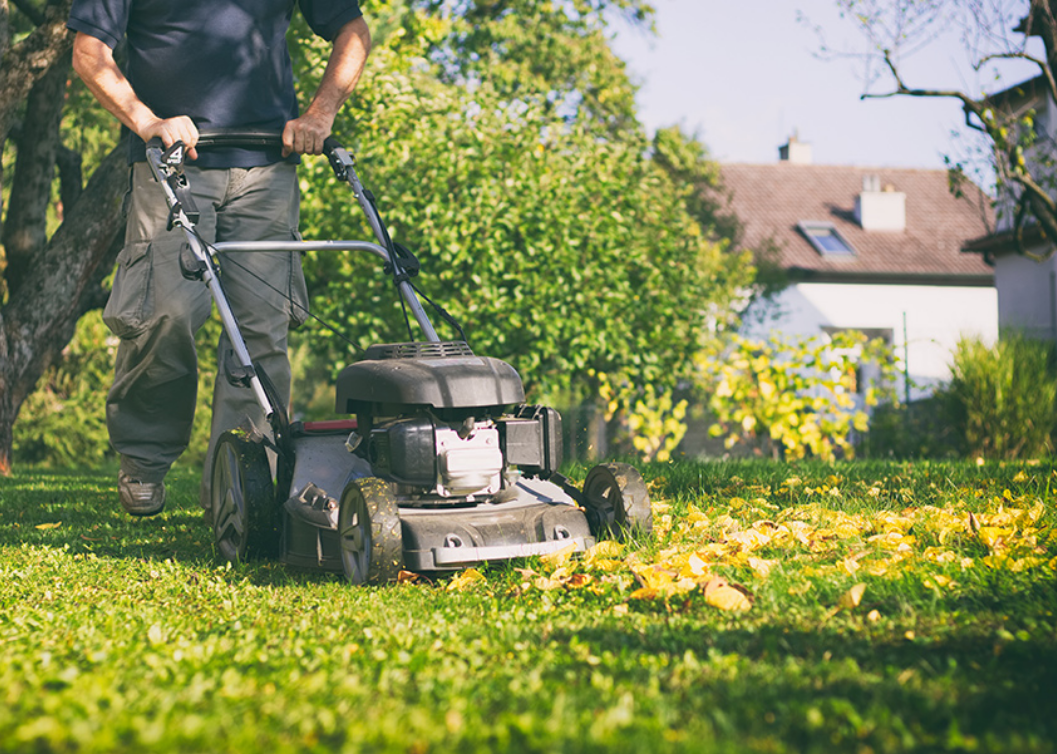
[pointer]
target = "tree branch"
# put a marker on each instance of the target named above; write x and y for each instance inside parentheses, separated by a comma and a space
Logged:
(71, 179)
(903, 90)
(32, 13)
(22, 65)
(1047, 72)
(25, 229)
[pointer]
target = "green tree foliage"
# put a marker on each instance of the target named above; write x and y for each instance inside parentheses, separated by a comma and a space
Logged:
(64, 421)
(547, 222)
(797, 396)
(1002, 399)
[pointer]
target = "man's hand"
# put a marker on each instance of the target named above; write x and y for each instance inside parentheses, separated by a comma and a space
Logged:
(306, 134)
(172, 130)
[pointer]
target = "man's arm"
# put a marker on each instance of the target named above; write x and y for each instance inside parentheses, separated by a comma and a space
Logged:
(352, 45)
(94, 62)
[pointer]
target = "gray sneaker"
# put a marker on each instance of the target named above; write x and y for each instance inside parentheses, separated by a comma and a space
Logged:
(140, 498)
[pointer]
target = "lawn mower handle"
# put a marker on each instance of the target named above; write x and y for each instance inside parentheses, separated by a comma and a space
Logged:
(242, 137)
(182, 204)
(167, 165)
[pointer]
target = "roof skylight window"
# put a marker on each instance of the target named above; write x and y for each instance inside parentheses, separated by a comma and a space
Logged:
(826, 239)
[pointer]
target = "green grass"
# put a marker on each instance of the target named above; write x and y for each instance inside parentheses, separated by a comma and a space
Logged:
(128, 635)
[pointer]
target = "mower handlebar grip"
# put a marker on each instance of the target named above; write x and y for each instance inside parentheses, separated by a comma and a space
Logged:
(242, 137)
(340, 160)
(239, 137)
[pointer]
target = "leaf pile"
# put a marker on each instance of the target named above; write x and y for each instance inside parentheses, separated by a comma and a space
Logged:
(832, 538)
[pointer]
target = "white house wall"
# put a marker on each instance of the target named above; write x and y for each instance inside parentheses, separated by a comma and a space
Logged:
(936, 318)
(1026, 293)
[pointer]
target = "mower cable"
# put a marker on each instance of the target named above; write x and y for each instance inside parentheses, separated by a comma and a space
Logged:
(326, 325)
(322, 322)
(442, 312)
(394, 268)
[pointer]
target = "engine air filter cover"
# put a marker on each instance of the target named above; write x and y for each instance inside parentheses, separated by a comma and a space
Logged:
(441, 375)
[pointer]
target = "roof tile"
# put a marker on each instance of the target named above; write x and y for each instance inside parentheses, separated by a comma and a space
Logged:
(771, 199)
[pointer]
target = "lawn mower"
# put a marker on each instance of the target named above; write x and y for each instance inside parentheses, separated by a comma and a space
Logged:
(438, 465)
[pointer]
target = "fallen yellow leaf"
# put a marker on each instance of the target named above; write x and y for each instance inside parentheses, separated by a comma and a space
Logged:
(851, 598)
(695, 567)
(560, 557)
(992, 536)
(545, 584)
(468, 579)
(722, 595)
(578, 580)
(645, 593)
(607, 549)
(761, 566)
(52, 525)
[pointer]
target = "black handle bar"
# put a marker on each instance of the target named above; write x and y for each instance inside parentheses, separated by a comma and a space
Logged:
(242, 137)
(238, 137)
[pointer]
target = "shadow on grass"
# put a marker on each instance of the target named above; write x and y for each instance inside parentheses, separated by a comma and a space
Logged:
(78, 510)
(959, 689)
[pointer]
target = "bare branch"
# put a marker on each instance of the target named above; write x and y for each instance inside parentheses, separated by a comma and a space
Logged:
(903, 90)
(1044, 67)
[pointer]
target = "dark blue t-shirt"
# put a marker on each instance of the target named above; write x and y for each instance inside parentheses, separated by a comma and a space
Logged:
(223, 63)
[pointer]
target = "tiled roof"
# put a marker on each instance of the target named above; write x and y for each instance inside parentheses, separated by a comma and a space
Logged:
(770, 200)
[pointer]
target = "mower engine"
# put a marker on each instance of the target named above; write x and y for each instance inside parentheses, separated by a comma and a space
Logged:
(431, 458)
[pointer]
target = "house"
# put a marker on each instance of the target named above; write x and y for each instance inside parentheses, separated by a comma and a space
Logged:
(871, 249)
(1026, 284)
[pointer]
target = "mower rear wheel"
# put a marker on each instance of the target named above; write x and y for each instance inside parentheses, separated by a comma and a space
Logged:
(369, 529)
(617, 502)
(245, 517)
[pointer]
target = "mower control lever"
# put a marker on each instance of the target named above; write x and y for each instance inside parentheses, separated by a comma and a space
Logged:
(340, 160)
(171, 163)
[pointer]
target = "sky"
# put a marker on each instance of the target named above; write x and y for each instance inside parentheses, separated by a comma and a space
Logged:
(744, 75)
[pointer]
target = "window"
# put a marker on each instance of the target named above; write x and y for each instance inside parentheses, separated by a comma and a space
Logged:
(825, 238)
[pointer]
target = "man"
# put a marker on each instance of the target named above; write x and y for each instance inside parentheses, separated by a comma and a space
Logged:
(205, 64)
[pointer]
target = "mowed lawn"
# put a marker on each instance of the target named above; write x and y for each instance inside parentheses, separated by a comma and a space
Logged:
(869, 607)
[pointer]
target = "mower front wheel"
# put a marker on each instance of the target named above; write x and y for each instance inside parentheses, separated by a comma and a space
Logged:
(369, 529)
(245, 517)
(617, 502)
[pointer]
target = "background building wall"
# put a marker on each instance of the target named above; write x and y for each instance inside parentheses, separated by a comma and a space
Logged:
(932, 317)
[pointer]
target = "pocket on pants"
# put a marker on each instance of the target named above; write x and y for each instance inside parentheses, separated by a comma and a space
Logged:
(131, 304)
(298, 288)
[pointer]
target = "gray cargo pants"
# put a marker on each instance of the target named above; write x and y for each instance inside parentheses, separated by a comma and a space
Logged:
(156, 312)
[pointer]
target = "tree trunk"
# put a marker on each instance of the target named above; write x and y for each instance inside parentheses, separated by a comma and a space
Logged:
(26, 224)
(63, 282)
(49, 284)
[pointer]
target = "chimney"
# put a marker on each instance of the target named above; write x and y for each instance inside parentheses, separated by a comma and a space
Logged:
(878, 208)
(795, 151)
